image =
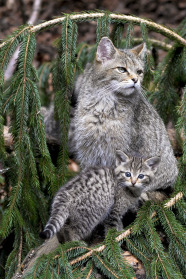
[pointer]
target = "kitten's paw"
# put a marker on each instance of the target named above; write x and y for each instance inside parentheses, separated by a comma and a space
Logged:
(144, 197)
(45, 234)
(155, 196)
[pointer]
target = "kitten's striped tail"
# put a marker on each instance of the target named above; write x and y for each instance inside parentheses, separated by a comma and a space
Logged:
(55, 223)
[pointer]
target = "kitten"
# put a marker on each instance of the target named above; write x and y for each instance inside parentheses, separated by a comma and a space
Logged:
(87, 200)
(138, 174)
(112, 113)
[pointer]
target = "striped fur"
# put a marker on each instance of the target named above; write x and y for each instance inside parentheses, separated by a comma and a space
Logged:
(112, 113)
(95, 194)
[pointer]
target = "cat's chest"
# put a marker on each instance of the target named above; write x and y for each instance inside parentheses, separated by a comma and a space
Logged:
(105, 118)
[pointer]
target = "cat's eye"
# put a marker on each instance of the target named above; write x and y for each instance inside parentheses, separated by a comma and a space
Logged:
(141, 176)
(128, 174)
(122, 69)
(139, 72)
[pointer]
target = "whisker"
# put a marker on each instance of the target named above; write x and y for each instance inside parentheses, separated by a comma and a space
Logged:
(108, 87)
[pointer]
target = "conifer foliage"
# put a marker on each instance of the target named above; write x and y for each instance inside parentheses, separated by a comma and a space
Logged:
(31, 178)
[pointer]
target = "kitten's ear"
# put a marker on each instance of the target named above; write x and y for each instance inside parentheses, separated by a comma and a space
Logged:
(105, 50)
(153, 162)
(140, 51)
(121, 157)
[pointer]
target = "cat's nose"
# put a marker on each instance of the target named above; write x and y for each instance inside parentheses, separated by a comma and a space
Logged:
(135, 80)
(133, 181)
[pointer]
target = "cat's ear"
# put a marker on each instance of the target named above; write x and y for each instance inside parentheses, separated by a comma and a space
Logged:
(121, 157)
(105, 50)
(140, 51)
(153, 162)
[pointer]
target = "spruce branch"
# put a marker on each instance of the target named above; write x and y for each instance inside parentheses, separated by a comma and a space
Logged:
(154, 43)
(37, 113)
(113, 254)
(174, 231)
(81, 49)
(65, 73)
(103, 26)
(129, 36)
(32, 20)
(105, 267)
(10, 43)
(173, 200)
(89, 269)
(122, 18)
(117, 34)
(135, 248)
(125, 234)
(165, 265)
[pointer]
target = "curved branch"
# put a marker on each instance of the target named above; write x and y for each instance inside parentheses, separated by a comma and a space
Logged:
(155, 43)
(125, 18)
(92, 16)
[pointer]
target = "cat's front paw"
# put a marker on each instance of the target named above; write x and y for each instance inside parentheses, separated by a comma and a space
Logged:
(118, 226)
(155, 196)
(144, 197)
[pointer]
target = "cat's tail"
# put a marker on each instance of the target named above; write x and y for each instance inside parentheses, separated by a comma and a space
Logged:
(55, 223)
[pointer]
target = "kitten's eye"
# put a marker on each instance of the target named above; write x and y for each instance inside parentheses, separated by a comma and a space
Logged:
(139, 72)
(128, 174)
(122, 69)
(141, 176)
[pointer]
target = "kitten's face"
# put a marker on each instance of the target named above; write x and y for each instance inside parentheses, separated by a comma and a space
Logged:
(135, 173)
(122, 70)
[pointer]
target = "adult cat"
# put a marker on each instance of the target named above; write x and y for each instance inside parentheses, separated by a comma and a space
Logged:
(112, 113)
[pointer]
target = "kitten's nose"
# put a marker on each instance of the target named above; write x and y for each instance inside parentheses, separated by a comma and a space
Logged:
(133, 181)
(135, 80)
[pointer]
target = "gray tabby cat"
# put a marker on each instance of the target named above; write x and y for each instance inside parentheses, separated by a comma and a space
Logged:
(112, 113)
(96, 193)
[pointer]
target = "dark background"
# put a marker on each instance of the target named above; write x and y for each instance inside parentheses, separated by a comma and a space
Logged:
(14, 13)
